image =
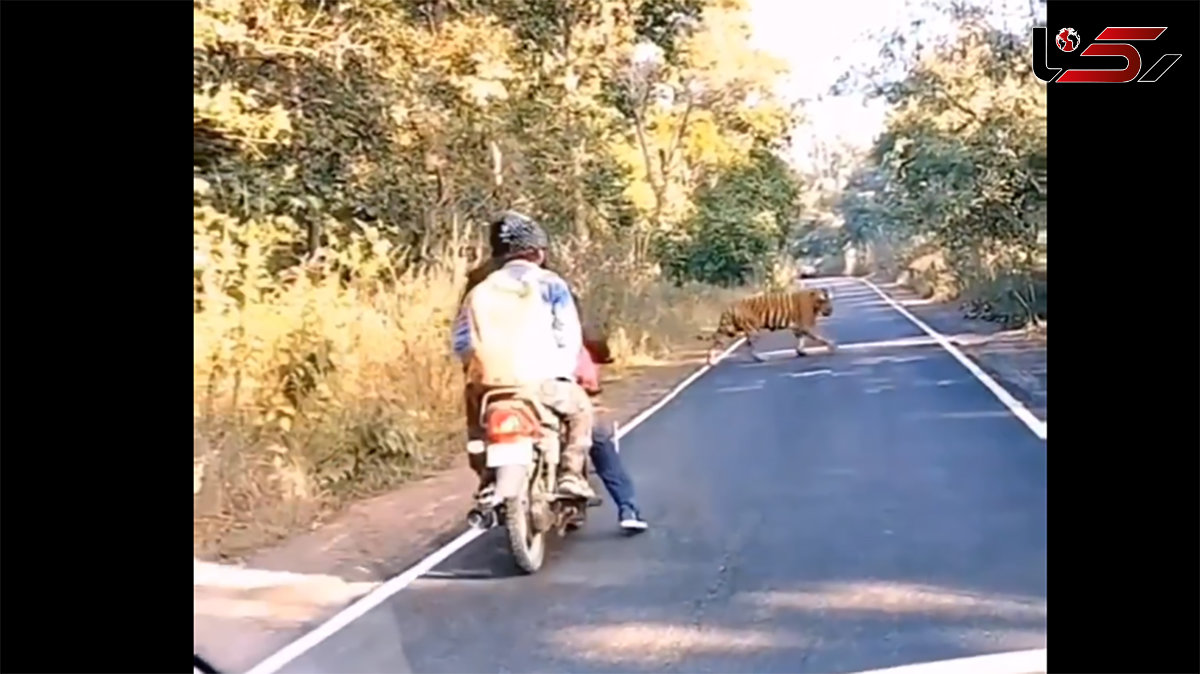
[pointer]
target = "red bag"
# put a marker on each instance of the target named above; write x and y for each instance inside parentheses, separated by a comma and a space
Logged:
(587, 373)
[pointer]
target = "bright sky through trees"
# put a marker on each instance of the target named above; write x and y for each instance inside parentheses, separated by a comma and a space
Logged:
(821, 40)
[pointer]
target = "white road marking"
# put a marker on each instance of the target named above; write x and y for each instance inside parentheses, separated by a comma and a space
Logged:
(356, 610)
(385, 591)
(809, 373)
(633, 423)
(1019, 411)
(1015, 662)
(920, 340)
(756, 386)
(857, 346)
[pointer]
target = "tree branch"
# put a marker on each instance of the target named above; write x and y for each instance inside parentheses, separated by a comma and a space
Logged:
(678, 140)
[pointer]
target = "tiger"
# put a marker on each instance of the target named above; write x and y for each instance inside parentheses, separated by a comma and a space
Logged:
(797, 310)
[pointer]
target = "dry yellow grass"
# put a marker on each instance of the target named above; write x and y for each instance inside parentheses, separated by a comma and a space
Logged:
(312, 389)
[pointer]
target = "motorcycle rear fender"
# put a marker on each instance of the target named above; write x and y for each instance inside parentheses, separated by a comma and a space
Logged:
(514, 397)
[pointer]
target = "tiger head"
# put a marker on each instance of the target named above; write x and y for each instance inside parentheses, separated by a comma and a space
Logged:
(823, 301)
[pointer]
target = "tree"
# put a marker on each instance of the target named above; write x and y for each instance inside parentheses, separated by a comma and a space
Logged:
(740, 225)
(604, 117)
(961, 166)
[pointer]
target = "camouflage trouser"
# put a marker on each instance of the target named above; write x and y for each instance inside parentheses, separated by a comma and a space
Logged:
(565, 398)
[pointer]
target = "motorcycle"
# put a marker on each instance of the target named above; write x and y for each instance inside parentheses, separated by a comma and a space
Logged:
(523, 444)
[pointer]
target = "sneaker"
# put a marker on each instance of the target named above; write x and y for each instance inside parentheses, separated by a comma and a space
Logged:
(574, 485)
(631, 521)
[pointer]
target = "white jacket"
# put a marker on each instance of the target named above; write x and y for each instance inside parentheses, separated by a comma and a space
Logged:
(519, 326)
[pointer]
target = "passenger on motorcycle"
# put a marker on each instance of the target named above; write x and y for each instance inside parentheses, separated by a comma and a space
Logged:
(605, 457)
(533, 342)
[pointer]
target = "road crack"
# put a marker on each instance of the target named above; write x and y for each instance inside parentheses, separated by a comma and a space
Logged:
(721, 586)
(715, 589)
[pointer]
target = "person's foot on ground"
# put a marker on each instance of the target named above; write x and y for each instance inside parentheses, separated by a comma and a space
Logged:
(570, 484)
(630, 520)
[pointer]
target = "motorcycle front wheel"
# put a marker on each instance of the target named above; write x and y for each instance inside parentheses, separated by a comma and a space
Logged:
(528, 548)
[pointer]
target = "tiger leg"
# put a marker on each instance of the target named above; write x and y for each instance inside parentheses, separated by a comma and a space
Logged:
(750, 345)
(819, 339)
(711, 356)
(800, 339)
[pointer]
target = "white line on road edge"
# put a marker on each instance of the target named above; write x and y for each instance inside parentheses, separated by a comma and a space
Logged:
(1020, 411)
(382, 593)
(633, 423)
(360, 607)
(1015, 662)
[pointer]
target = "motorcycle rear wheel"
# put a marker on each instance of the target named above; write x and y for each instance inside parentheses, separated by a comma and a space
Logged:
(528, 548)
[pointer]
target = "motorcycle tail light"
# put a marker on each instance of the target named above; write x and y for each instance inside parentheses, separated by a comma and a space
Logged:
(505, 425)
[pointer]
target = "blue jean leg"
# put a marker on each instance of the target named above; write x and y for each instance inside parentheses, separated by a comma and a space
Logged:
(609, 467)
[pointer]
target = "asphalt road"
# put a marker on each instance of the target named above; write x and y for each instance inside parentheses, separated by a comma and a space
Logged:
(833, 513)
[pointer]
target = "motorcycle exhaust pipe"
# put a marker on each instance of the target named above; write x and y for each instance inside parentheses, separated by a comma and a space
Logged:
(478, 519)
(474, 519)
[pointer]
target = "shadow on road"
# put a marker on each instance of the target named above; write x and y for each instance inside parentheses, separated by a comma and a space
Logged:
(488, 558)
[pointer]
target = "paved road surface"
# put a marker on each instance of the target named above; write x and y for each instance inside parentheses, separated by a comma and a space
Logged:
(826, 514)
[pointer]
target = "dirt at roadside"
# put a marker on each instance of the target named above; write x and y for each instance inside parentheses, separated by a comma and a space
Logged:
(370, 541)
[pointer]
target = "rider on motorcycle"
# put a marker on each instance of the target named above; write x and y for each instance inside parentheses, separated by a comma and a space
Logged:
(535, 348)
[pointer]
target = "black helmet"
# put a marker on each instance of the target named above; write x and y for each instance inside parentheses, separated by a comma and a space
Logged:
(512, 233)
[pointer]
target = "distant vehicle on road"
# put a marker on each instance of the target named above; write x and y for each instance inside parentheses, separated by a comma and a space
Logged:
(807, 270)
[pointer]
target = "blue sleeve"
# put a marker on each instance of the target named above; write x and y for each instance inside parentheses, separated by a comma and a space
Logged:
(567, 329)
(460, 338)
